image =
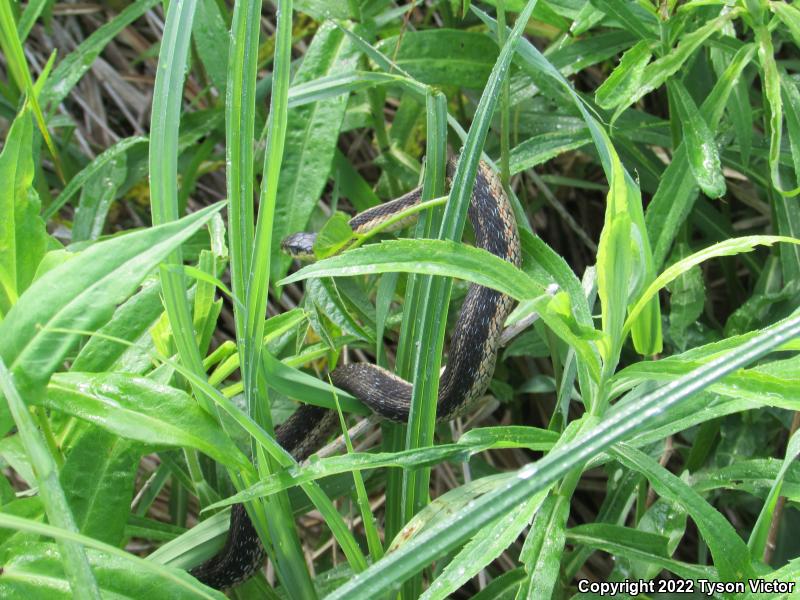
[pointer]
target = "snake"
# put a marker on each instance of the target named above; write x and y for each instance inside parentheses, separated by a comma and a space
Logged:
(470, 364)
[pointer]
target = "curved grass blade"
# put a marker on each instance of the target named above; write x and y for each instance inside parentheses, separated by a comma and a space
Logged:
(727, 248)
(406, 459)
(429, 257)
(483, 548)
(758, 537)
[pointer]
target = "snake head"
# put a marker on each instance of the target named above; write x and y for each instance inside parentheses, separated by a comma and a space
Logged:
(300, 246)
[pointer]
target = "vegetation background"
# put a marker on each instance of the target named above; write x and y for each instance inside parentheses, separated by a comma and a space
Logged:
(644, 424)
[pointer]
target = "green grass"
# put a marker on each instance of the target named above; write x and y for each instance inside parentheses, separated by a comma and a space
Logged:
(641, 425)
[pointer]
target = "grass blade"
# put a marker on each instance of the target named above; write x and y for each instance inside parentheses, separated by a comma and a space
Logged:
(55, 503)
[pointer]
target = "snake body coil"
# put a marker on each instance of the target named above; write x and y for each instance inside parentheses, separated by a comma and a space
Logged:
(470, 365)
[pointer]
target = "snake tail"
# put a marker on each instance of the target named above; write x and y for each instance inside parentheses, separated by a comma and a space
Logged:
(243, 554)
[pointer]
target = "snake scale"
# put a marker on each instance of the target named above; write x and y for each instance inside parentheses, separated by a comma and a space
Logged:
(470, 365)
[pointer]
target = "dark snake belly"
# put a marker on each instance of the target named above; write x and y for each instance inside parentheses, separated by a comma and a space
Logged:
(470, 365)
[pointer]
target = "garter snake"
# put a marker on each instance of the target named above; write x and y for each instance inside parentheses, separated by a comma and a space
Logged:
(470, 364)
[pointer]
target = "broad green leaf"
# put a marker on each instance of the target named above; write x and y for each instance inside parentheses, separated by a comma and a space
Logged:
(23, 237)
(322, 9)
(326, 298)
(98, 478)
(81, 294)
(444, 56)
(33, 570)
(701, 146)
(616, 262)
(333, 237)
(666, 520)
(140, 409)
(211, 37)
(538, 149)
(13, 452)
